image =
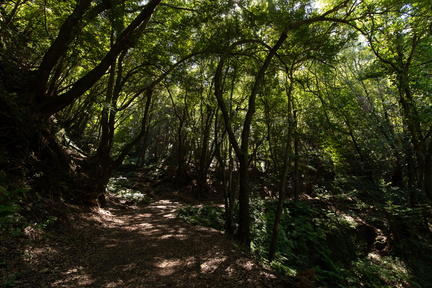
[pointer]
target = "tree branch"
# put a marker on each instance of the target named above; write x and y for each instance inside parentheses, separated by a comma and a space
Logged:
(51, 105)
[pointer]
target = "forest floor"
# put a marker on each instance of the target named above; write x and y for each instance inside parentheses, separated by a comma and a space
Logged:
(132, 246)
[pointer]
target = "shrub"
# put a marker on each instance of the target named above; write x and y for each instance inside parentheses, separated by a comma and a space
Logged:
(10, 220)
(208, 216)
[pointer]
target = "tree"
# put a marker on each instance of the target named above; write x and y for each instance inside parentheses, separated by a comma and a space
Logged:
(399, 39)
(242, 148)
(47, 92)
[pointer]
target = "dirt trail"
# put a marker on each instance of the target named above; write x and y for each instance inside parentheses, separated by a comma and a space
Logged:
(144, 247)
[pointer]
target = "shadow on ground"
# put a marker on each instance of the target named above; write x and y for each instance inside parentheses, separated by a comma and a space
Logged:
(147, 247)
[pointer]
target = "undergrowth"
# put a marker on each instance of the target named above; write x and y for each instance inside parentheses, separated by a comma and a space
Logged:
(17, 216)
(340, 245)
(9, 208)
(121, 186)
(313, 236)
(209, 216)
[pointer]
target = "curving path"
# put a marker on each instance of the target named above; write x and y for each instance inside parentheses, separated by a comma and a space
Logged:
(145, 246)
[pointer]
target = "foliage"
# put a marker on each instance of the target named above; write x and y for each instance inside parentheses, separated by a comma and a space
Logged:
(121, 186)
(10, 219)
(298, 234)
(208, 216)
(313, 236)
(378, 272)
(15, 218)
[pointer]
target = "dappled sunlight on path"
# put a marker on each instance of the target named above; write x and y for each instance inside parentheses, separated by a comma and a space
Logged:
(147, 246)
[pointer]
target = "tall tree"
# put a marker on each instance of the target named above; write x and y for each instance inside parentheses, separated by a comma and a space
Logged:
(400, 40)
(242, 148)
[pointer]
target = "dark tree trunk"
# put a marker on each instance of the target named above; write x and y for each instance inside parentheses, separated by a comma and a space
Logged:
(229, 189)
(48, 106)
(204, 160)
(297, 179)
(243, 231)
(242, 150)
(98, 170)
(36, 101)
(428, 173)
(285, 170)
(281, 200)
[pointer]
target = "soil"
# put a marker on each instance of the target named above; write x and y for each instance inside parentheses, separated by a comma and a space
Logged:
(132, 246)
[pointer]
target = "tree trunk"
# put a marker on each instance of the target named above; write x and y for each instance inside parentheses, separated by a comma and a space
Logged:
(204, 161)
(428, 173)
(97, 170)
(281, 200)
(284, 174)
(229, 189)
(242, 150)
(47, 106)
(243, 232)
(233, 190)
(296, 161)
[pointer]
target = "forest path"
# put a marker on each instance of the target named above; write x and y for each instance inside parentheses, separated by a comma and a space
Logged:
(147, 246)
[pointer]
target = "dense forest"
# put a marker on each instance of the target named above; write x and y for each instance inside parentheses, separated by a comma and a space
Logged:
(311, 120)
